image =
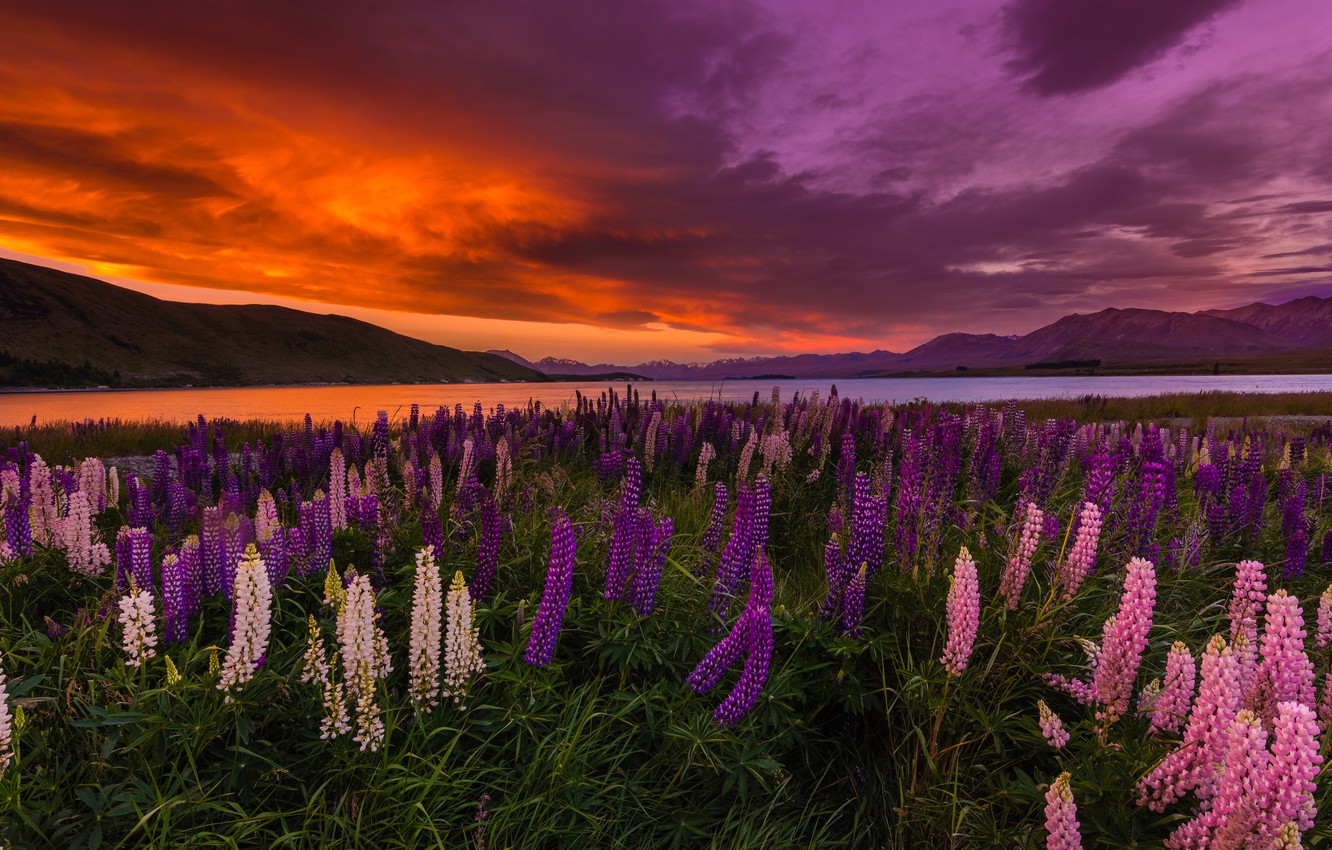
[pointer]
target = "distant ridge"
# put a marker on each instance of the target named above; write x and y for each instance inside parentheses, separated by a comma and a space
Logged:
(65, 330)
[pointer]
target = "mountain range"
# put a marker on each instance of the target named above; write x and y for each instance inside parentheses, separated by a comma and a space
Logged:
(65, 330)
(1292, 337)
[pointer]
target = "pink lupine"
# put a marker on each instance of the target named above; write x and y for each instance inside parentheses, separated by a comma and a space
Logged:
(6, 726)
(1082, 558)
(1234, 812)
(1289, 787)
(1019, 562)
(1247, 598)
(1172, 705)
(1061, 816)
(1325, 703)
(1287, 838)
(1323, 637)
(1286, 673)
(1192, 766)
(1123, 640)
(963, 614)
(1052, 728)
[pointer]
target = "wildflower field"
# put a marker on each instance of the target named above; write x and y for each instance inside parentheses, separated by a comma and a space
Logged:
(803, 622)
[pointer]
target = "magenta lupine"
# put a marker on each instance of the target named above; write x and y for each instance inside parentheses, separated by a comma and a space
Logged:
(963, 614)
(1288, 789)
(1192, 766)
(555, 594)
(1082, 558)
(1052, 728)
(1019, 562)
(1323, 637)
(1123, 640)
(1061, 816)
(1171, 707)
(1231, 817)
(1286, 672)
(6, 726)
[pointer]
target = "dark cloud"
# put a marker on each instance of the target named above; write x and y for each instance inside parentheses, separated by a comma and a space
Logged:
(1071, 46)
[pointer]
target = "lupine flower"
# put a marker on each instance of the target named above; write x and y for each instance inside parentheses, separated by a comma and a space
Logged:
(963, 614)
(462, 643)
(134, 558)
(1286, 672)
(487, 551)
(315, 670)
(423, 654)
(1171, 708)
(1061, 816)
(1194, 763)
(176, 593)
(853, 604)
(555, 595)
(86, 556)
(503, 467)
(364, 659)
(1323, 637)
(654, 543)
(1287, 838)
(1232, 814)
(1019, 562)
(1123, 640)
(336, 721)
(137, 620)
(1287, 793)
(752, 637)
(717, 518)
(705, 457)
(1052, 728)
(1082, 558)
(746, 458)
(6, 726)
(337, 489)
(252, 623)
(1247, 598)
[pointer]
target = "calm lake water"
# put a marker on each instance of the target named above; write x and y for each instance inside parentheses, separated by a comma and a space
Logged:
(361, 402)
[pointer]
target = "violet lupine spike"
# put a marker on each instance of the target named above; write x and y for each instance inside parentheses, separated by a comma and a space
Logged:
(648, 577)
(625, 540)
(1019, 562)
(736, 556)
(555, 594)
(754, 675)
(869, 514)
(432, 531)
(853, 604)
(487, 551)
(1194, 763)
(1176, 698)
(1123, 640)
(717, 518)
(1082, 558)
(835, 572)
(963, 614)
(175, 600)
(751, 636)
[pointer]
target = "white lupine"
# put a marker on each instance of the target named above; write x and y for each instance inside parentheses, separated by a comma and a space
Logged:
(6, 726)
(92, 481)
(462, 656)
(705, 457)
(315, 670)
(436, 482)
(138, 629)
(776, 451)
(364, 659)
(112, 486)
(42, 514)
(650, 440)
(253, 599)
(427, 605)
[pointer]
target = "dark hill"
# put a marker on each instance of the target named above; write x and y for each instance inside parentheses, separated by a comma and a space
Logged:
(84, 331)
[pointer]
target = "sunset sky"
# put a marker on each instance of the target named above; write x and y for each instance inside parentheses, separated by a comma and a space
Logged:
(622, 181)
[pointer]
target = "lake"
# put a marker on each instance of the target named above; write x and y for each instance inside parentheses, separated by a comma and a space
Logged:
(361, 402)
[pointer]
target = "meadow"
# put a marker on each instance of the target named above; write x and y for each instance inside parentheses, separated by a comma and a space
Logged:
(799, 622)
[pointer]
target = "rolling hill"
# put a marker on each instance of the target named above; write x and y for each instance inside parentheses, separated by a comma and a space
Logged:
(61, 329)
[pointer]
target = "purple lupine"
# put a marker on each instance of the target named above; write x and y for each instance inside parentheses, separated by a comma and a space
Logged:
(833, 568)
(752, 637)
(737, 554)
(487, 551)
(555, 594)
(846, 466)
(717, 518)
(432, 532)
(625, 539)
(212, 549)
(191, 567)
(1123, 640)
(853, 603)
(647, 575)
(1295, 531)
(134, 548)
(175, 599)
(869, 514)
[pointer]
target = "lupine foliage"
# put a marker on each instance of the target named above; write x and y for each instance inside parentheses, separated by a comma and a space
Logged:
(800, 554)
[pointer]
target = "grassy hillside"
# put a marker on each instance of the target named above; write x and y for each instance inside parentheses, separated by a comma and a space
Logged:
(59, 329)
